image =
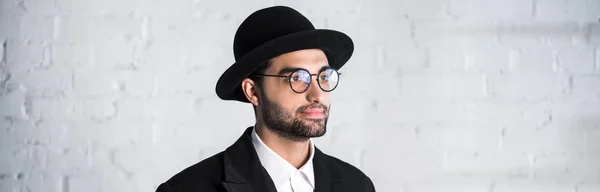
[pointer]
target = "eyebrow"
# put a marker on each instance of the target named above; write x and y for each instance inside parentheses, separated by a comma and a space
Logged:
(288, 70)
(292, 69)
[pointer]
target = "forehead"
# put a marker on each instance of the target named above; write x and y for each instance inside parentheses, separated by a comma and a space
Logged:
(310, 59)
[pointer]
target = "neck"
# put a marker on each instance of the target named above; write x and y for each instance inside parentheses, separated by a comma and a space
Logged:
(294, 152)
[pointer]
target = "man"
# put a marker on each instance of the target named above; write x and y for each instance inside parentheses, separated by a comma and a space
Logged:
(286, 69)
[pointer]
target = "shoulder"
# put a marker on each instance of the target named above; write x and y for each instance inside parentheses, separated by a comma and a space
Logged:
(203, 176)
(350, 173)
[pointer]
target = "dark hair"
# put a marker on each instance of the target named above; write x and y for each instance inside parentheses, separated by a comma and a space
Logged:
(260, 70)
(258, 81)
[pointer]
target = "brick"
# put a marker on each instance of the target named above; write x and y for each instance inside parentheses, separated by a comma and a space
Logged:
(450, 87)
(23, 160)
(12, 23)
(567, 11)
(197, 82)
(377, 56)
(447, 187)
(566, 168)
(447, 58)
(408, 58)
(107, 180)
(23, 55)
(458, 138)
(51, 109)
(190, 42)
(169, 30)
(483, 11)
(213, 9)
(98, 109)
(42, 182)
(487, 58)
(41, 7)
(449, 35)
(13, 162)
(382, 85)
(28, 133)
(72, 55)
(425, 10)
(551, 139)
(13, 8)
(594, 32)
(111, 133)
(86, 30)
(92, 81)
(497, 166)
(211, 110)
(132, 159)
(164, 8)
(171, 53)
(72, 29)
(597, 61)
(80, 183)
(533, 187)
(37, 28)
(89, 7)
(3, 45)
(423, 111)
(159, 107)
(112, 54)
(420, 165)
(588, 188)
(576, 114)
(527, 86)
(13, 104)
(350, 111)
(116, 180)
(205, 57)
(536, 59)
(500, 114)
(114, 27)
(315, 9)
(343, 134)
(373, 31)
(577, 60)
(591, 140)
(8, 185)
(547, 34)
(70, 160)
(50, 82)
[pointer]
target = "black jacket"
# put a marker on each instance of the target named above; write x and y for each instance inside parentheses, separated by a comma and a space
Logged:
(238, 169)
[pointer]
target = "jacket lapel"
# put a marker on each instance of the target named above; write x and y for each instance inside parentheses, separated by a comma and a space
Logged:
(243, 171)
(327, 175)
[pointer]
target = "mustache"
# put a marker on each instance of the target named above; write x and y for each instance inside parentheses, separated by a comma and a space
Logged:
(313, 106)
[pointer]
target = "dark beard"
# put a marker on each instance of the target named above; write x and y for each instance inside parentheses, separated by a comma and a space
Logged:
(287, 126)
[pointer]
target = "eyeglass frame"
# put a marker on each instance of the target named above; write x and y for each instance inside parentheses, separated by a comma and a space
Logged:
(289, 77)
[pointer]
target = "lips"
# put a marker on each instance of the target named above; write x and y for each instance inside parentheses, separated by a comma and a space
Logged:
(314, 113)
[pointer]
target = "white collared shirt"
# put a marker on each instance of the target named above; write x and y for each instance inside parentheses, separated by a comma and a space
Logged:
(284, 175)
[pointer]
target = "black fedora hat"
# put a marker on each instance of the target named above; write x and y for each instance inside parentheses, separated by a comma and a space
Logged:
(270, 32)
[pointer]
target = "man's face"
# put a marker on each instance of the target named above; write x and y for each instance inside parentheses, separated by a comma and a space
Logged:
(295, 116)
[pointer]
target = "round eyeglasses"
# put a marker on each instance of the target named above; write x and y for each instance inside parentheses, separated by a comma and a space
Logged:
(300, 79)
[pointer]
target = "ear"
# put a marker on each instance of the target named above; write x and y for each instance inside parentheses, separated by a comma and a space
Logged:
(250, 91)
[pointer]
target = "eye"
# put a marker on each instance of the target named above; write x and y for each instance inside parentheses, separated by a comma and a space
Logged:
(295, 78)
(323, 77)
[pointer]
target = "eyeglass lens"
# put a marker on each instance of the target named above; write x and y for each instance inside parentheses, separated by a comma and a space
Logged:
(327, 79)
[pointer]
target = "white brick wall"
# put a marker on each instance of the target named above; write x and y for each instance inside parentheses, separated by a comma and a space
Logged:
(455, 95)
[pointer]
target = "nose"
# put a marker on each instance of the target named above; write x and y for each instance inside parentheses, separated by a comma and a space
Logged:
(314, 92)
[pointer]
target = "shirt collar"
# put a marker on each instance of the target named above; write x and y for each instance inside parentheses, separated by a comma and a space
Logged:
(278, 168)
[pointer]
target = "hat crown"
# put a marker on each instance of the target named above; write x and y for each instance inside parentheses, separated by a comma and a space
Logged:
(267, 24)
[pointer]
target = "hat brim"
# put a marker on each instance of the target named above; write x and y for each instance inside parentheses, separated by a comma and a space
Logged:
(337, 46)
